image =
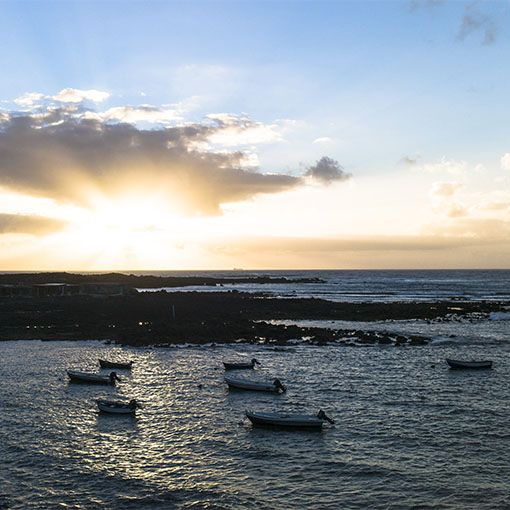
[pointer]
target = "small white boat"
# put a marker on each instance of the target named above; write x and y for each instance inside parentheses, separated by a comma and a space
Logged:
(240, 365)
(455, 363)
(289, 420)
(243, 384)
(110, 406)
(115, 364)
(93, 378)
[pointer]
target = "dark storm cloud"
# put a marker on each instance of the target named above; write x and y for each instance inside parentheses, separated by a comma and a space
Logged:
(24, 224)
(327, 170)
(60, 155)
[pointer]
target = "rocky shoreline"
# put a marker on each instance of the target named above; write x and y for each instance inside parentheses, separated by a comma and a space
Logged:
(168, 318)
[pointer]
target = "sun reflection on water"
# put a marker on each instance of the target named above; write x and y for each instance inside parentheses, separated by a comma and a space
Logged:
(191, 447)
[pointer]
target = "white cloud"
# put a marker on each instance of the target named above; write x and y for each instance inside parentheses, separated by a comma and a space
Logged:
(505, 161)
(142, 113)
(443, 194)
(323, 139)
(70, 95)
(249, 160)
(456, 211)
(233, 131)
(445, 189)
(446, 165)
(291, 124)
(28, 99)
(495, 206)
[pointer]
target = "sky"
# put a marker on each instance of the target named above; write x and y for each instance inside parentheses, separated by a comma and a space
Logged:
(165, 135)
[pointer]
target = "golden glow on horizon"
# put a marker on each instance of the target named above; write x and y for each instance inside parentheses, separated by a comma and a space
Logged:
(359, 224)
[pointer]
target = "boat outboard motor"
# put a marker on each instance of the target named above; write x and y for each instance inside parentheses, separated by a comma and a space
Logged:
(278, 384)
(133, 404)
(254, 362)
(114, 377)
(322, 415)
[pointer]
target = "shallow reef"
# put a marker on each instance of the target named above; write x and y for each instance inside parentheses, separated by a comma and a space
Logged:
(166, 318)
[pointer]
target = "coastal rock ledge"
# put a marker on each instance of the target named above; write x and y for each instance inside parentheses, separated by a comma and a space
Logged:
(166, 318)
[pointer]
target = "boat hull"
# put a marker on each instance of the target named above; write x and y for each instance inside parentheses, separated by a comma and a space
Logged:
(242, 384)
(111, 364)
(88, 378)
(107, 406)
(293, 421)
(237, 366)
(460, 364)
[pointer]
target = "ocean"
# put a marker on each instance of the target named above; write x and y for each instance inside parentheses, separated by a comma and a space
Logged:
(409, 433)
(365, 285)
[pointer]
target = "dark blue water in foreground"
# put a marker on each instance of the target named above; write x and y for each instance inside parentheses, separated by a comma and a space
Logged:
(409, 432)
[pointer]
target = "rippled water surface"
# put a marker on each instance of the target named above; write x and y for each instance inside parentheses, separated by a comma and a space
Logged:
(409, 433)
(366, 285)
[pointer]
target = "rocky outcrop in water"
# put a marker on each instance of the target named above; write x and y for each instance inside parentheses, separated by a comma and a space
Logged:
(161, 318)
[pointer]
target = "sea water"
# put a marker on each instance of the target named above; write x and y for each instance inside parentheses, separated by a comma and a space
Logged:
(408, 433)
(364, 286)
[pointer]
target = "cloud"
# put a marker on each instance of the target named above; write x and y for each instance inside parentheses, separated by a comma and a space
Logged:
(323, 139)
(73, 155)
(444, 193)
(74, 96)
(474, 228)
(70, 95)
(25, 224)
(327, 170)
(407, 160)
(134, 115)
(234, 130)
(446, 165)
(475, 20)
(445, 189)
(505, 161)
(29, 99)
(495, 206)
(456, 211)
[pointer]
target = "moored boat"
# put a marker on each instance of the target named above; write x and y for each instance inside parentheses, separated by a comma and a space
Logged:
(240, 365)
(289, 420)
(113, 407)
(114, 364)
(455, 363)
(243, 384)
(93, 378)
